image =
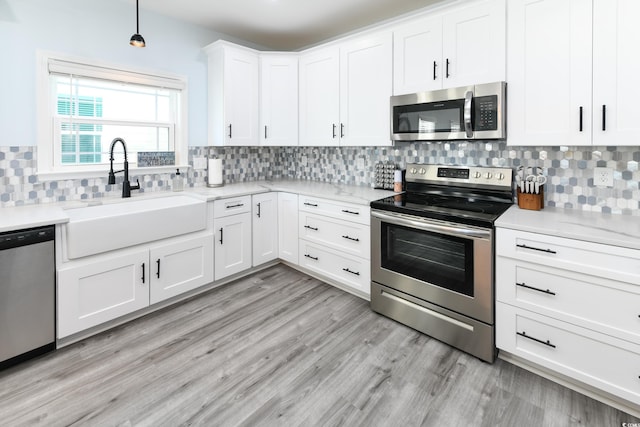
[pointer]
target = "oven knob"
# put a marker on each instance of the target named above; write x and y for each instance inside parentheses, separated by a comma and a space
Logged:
(477, 175)
(500, 176)
(423, 171)
(488, 175)
(414, 171)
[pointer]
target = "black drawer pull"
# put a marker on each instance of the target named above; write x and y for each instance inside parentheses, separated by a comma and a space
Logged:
(350, 212)
(310, 204)
(352, 272)
(143, 270)
(536, 249)
(315, 258)
(355, 239)
(235, 206)
(547, 342)
(311, 228)
(522, 285)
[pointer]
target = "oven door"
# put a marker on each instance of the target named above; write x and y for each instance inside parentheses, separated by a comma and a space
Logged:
(446, 264)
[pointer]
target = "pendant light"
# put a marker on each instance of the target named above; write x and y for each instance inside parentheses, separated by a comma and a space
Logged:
(137, 40)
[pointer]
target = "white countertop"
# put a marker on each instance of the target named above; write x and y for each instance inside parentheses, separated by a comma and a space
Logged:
(16, 218)
(616, 230)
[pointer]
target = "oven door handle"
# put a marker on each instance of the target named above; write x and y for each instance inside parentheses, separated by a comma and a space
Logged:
(445, 228)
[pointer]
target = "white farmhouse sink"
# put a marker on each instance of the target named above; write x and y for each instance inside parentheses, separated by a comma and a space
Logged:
(127, 222)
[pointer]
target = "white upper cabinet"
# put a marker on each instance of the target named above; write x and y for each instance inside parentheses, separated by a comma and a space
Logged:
(365, 88)
(549, 72)
(344, 93)
(233, 79)
(572, 70)
(320, 97)
(461, 47)
(278, 99)
(615, 72)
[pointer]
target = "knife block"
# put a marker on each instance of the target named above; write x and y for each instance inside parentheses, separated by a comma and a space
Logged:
(531, 201)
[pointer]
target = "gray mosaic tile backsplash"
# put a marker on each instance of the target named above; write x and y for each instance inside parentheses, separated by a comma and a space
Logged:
(569, 169)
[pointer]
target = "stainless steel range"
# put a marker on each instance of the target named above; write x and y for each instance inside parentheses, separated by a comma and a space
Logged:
(432, 256)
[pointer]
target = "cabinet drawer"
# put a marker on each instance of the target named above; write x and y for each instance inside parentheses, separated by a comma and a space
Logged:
(596, 359)
(345, 236)
(571, 296)
(236, 205)
(346, 269)
(334, 209)
(595, 259)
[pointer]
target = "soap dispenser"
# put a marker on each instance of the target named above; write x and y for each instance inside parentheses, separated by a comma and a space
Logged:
(178, 182)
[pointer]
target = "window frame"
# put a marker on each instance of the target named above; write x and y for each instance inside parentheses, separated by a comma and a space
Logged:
(49, 166)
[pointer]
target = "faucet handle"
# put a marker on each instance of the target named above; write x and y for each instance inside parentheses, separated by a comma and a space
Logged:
(137, 186)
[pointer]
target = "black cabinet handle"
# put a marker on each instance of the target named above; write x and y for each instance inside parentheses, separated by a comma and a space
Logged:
(341, 130)
(158, 272)
(447, 69)
(352, 272)
(355, 239)
(522, 285)
(265, 132)
(230, 131)
(310, 204)
(143, 272)
(315, 258)
(258, 210)
(221, 230)
(435, 64)
(350, 212)
(580, 119)
(547, 342)
(334, 130)
(235, 206)
(536, 249)
(311, 228)
(604, 117)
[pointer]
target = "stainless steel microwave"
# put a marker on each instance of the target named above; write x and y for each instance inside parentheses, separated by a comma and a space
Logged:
(468, 112)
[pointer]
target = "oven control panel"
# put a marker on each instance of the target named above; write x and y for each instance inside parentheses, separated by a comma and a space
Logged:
(460, 175)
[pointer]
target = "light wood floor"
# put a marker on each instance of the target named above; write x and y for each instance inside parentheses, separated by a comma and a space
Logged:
(278, 349)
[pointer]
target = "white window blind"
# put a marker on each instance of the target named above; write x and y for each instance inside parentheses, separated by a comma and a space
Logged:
(90, 105)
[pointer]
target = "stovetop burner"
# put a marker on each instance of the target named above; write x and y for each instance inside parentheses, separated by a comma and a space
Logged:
(471, 195)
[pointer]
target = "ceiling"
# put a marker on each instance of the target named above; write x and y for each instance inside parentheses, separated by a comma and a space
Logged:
(283, 24)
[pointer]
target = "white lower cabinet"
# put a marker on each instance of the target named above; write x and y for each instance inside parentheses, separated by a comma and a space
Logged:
(97, 289)
(570, 307)
(264, 227)
(288, 227)
(232, 224)
(179, 267)
(348, 270)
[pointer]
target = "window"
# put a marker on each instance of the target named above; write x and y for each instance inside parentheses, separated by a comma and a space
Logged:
(85, 106)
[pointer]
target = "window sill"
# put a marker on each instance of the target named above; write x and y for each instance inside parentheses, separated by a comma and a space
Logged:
(104, 172)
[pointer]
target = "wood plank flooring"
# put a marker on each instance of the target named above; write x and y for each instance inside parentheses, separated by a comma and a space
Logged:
(280, 349)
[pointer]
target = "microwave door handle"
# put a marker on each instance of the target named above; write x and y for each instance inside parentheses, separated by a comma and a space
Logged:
(468, 126)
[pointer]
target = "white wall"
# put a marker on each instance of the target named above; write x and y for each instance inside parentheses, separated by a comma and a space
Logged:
(93, 29)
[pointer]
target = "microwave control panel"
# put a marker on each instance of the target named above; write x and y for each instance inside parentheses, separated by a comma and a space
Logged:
(486, 113)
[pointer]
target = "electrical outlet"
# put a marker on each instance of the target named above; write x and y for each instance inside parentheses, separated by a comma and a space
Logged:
(603, 177)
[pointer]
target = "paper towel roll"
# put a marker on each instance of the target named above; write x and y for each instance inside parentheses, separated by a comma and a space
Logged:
(214, 175)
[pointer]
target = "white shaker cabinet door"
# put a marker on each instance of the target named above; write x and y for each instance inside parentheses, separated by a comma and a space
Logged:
(179, 267)
(365, 87)
(320, 97)
(473, 46)
(288, 227)
(417, 56)
(279, 99)
(265, 227)
(94, 292)
(232, 245)
(615, 72)
(549, 72)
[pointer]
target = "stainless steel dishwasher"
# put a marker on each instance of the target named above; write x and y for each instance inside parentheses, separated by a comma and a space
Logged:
(27, 294)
